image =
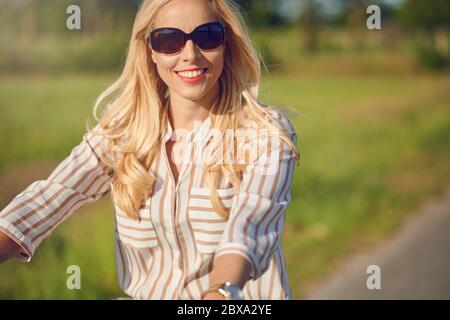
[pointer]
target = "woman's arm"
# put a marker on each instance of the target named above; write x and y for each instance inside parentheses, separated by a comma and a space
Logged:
(257, 216)
(229, 267)
(33, 214)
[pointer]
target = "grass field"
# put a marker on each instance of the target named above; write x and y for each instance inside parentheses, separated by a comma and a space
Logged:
(373, 144)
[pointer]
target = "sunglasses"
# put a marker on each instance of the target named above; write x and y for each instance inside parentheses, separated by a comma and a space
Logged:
(207, 36)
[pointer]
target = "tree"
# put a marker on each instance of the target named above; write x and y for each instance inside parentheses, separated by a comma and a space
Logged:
(429, 18)
(309, 23)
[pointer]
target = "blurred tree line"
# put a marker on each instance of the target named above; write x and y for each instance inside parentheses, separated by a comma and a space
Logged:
(430, 23)
(427, 22)
(34, 34)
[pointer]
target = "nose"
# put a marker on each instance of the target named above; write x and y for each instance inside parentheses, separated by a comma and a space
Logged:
(190, 51)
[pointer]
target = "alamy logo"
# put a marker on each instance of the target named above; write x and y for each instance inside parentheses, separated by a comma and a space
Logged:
(73, 21)
(374, 280)
(374, 20)
(74, 280)
(253, 146)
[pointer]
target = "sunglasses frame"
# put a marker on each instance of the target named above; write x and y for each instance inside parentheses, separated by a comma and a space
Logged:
(187, 36)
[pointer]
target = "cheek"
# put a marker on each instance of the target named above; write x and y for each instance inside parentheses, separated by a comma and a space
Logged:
(165, 67)
(217, 62)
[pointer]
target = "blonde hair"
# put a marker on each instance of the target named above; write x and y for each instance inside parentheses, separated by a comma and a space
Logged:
(135, 118)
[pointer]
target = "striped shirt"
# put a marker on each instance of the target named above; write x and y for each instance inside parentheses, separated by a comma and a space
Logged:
(168, 253)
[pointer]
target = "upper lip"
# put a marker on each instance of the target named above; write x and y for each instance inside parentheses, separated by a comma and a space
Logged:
(192, 69)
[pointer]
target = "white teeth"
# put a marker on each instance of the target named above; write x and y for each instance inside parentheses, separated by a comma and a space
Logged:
(191, 74)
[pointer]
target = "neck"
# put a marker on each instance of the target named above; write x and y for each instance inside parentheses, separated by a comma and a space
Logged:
(184, 112)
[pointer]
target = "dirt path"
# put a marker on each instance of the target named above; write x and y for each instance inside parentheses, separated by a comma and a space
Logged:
(414, 262)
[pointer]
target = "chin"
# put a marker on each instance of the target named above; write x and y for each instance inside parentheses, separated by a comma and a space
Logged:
(193, 94)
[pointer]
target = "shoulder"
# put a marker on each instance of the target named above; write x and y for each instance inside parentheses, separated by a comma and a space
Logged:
(280, 116)
(95, 138)
(276, 116)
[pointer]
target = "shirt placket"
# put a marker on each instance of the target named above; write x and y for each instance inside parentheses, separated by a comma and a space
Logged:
(174, 186)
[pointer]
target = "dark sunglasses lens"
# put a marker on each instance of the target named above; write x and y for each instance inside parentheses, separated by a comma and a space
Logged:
(210, 36)
(167, 41)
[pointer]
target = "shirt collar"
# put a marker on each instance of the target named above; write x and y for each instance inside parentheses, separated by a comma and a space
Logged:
(200, 131)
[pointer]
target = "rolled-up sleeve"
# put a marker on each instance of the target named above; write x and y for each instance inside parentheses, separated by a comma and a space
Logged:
(79, 179)
(257, 215)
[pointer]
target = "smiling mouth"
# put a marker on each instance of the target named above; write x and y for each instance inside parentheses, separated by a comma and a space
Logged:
(192, 74)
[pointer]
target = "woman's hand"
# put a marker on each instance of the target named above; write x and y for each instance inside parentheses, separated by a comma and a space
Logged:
(8, 247)
(213, 295)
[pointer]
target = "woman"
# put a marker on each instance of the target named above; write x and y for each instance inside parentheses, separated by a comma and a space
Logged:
(185, 229)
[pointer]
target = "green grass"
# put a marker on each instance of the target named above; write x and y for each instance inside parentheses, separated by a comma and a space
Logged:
(48, 113)
(43, 118)
(85, 240)
(373, 147)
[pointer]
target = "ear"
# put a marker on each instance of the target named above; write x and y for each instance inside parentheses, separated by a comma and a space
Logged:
(152, 53)
(153, 56)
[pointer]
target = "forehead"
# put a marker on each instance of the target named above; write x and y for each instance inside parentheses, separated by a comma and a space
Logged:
(185, 14)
